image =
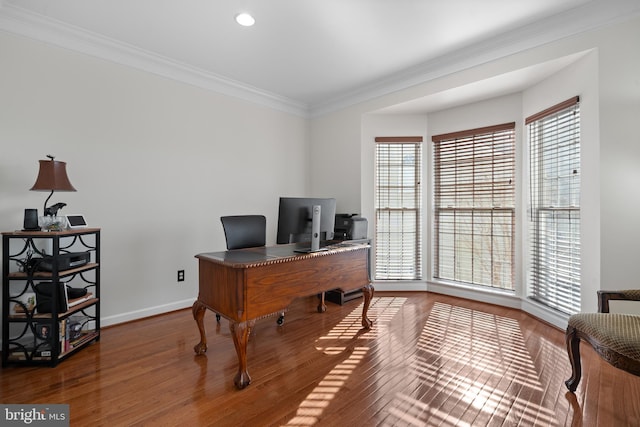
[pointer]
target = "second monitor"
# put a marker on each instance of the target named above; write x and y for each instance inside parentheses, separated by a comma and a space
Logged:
(295, 220)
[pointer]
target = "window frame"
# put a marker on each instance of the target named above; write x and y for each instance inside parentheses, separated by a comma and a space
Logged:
(460, 194)
(399, 257)
(555, 256)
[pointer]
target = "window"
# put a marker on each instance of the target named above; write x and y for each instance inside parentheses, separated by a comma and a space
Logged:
(554, 147)
(398, 208)
(474, 206)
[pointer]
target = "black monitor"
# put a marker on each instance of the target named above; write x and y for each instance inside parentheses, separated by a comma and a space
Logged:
(295, 217)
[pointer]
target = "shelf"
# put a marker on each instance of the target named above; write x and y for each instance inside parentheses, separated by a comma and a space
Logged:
(49, 234)
(20, 356)
(48, 275)
(42, 338)
(79, 343)
(71, 311)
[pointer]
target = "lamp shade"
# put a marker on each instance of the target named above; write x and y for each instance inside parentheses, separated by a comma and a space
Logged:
(52, 177)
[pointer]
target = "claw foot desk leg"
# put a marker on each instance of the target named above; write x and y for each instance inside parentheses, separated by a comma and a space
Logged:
(198, 311)
(240, 334)
(322, 307)
(368, 295)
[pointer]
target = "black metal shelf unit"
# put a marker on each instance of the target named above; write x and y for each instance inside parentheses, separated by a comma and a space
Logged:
(50, 294)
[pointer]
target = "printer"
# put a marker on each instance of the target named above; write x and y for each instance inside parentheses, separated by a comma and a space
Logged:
(350, 227)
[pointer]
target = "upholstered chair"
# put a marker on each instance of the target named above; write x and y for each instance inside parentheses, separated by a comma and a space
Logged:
(614, 337)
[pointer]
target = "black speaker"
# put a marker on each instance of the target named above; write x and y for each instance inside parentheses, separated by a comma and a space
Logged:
(31, 220)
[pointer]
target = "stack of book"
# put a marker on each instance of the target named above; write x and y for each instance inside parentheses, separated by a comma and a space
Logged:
(74, 332)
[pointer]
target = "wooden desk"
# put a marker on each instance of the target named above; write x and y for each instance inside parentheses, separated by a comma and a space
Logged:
(246, 284)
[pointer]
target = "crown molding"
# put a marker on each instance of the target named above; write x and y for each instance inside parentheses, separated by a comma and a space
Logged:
(595, 14)
(590, 16)
(27, 24)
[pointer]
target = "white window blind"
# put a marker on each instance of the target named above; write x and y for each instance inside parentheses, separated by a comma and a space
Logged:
(398, 208)
(474, 206)
(554, 146)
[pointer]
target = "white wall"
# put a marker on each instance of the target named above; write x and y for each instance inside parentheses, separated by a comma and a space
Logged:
(619, 81)
(155, 163)
(335, 165)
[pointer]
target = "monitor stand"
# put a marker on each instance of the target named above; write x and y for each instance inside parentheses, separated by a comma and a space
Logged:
(315, 231)
(309, 251)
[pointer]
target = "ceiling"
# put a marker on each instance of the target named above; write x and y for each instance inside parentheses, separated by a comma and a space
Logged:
(306, 55)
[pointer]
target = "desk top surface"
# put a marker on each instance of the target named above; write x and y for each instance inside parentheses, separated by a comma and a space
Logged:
(250, 257)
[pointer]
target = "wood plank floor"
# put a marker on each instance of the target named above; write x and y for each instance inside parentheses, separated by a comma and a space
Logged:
(429, 360)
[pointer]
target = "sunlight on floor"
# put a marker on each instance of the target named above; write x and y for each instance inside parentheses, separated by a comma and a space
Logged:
(340, 340)
(467, 368)
(471, 368)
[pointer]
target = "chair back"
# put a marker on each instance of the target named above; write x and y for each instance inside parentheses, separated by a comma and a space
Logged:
(244, 231)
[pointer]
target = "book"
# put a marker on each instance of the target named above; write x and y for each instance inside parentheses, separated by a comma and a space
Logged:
(75, 301)
(63, 336)
(85, 337)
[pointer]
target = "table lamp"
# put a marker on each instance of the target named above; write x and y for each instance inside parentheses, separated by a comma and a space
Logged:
(52, 177)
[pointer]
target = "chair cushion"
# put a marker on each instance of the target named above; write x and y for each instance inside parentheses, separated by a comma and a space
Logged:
(619, 332)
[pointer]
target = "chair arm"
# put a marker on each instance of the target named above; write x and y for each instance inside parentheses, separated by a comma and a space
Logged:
(605, 296)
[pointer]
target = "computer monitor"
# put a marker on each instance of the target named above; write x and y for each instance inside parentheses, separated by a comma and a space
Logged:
(295, 219)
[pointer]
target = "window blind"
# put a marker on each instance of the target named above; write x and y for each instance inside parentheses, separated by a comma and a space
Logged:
(398, 199)
(474, 206)
(554, 147)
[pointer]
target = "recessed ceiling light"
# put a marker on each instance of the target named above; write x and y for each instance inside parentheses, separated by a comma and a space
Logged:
(245, 19)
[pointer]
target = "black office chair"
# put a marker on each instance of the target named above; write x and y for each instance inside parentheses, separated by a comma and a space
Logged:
(245, 231)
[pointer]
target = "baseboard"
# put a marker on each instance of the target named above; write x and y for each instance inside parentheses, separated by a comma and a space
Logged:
(146, 312)
(490, 297)
(393, 286)
(545, 314)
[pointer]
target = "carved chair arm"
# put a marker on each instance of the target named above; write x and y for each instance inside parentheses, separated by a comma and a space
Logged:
(605, 296)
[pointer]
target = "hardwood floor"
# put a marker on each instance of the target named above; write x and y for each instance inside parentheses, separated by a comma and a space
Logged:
(429, 360)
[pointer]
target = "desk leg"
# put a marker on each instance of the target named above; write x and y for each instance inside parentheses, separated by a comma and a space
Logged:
(198, 311)
(240, 333)
(322, 307)
(368, 295)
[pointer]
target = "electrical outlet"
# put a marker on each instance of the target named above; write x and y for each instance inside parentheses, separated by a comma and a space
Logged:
(180, 275)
